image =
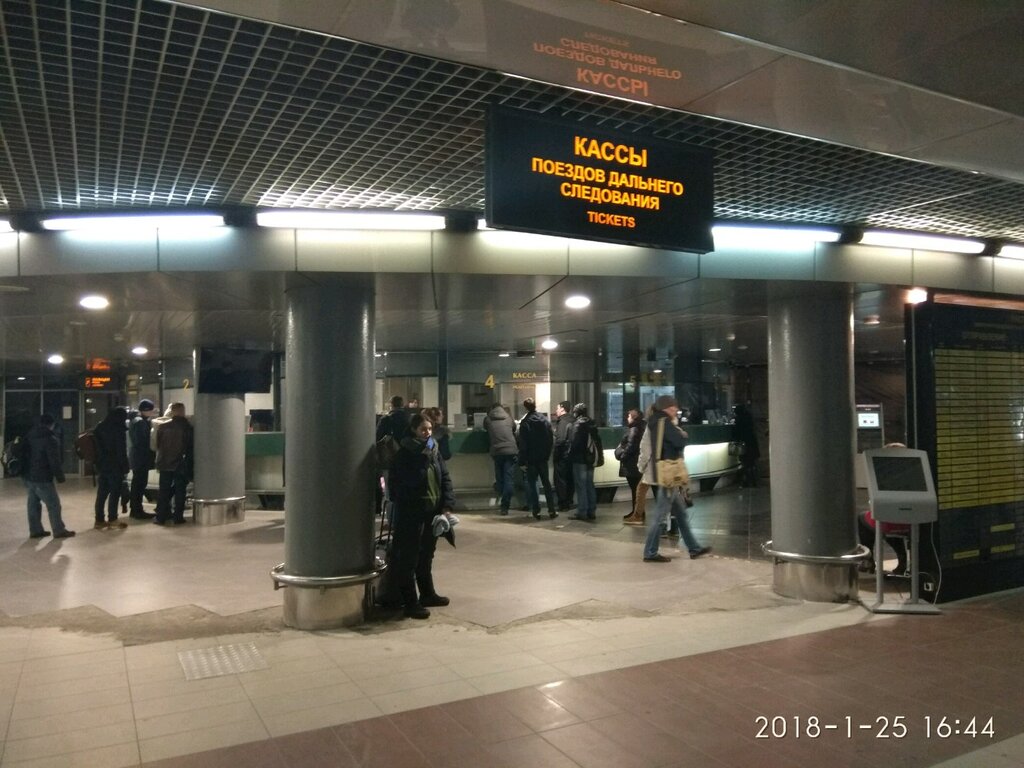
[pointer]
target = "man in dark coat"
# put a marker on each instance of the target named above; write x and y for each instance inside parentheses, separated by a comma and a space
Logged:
(174, 460)
(140, 458)
(535, 441)
(501, 432)
(111, 466)
(44, 466)
(564, 482)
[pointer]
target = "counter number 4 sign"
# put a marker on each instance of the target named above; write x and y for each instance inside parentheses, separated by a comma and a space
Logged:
(489, 381)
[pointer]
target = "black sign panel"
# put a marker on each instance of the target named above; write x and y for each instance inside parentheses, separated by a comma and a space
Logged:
(566, 178)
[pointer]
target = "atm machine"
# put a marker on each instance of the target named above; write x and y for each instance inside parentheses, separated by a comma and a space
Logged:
(870, 434)
(900, 490)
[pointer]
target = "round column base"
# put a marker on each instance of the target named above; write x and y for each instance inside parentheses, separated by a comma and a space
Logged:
(324, 608)
(815, 582)
(218, 511)
(817, 578)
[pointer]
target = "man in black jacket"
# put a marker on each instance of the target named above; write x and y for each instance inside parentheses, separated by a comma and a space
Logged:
(535, 441)
(140, 458)
(111, 466)
(564, 483)
(44, 466)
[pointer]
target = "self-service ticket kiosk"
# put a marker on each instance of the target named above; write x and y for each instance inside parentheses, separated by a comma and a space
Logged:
(900, 490)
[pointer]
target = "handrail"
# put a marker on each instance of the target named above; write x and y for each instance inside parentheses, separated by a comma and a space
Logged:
(226, 500)
(282, 579)
(861, 553)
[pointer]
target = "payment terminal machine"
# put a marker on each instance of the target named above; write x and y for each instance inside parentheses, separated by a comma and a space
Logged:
(900, 490)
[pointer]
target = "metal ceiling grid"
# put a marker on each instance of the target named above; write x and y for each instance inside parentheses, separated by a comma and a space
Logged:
(111, 103)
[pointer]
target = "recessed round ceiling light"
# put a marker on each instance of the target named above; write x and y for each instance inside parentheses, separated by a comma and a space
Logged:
(872, 320)
(656, 370)
(21, 378)
(139, 350)
(549, 344)
(730, 337)
(577, 301)
(504, 354)
(715, 349)
(55, 359)
(742, 346)
(94, 302)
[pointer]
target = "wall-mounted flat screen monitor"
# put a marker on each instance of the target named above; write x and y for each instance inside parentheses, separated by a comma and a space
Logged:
(234, 371)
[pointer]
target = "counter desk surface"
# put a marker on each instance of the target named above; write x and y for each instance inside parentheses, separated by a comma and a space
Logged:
(707, 457)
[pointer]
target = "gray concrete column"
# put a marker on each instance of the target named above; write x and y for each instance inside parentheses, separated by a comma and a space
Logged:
(219, 458)
(812, 441)
(329, 505)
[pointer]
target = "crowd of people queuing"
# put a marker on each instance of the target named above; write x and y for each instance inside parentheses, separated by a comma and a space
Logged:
(123, 442)
(421, 500)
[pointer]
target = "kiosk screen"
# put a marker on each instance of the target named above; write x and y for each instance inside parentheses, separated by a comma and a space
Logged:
(899, 473)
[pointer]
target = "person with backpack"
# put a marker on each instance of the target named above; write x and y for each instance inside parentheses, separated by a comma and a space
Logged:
(111, 467)
(585, 453)
(43, 467)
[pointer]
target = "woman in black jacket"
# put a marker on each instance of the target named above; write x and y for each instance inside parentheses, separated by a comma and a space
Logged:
(420, 489)
(628, 453)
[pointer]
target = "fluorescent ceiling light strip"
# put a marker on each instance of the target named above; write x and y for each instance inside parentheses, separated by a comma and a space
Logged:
(346, 220)
(725, 234)
(5, 226)
(921, 242)
(1012, 251)
(120, 223)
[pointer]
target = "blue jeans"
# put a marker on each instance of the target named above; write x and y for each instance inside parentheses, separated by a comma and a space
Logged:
(669, 500)
(586, 493)
(504, 467)
(39, 494)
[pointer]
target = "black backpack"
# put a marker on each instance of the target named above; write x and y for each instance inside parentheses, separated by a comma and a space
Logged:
(16, 456)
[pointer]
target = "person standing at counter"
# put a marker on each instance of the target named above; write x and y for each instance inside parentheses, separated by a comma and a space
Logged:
(535, 442)
(628, 454)
(420, 489)
(564, 482)
(501, 430)
(745, 432)
(585, 453)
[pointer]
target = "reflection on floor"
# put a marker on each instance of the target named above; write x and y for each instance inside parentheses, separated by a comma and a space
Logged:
(560, 648)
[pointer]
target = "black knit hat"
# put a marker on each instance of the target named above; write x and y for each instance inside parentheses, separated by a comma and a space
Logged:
(147, 405)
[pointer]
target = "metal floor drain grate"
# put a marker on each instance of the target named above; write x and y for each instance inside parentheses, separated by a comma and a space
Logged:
(221, 660)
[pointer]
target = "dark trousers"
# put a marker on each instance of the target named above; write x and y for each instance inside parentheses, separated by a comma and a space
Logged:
(172, 486)
(534, 471)
(108, 493)
(634, 481)
(412, 555)
(564, 482)
(140, 478)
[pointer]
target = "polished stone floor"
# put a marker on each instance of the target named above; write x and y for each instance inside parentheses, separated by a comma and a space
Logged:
(560, 648)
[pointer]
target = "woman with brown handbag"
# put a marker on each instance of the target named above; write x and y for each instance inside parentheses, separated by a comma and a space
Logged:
(668, 442)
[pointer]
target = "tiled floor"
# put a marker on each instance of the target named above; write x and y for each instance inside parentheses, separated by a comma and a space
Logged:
(560, 648)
